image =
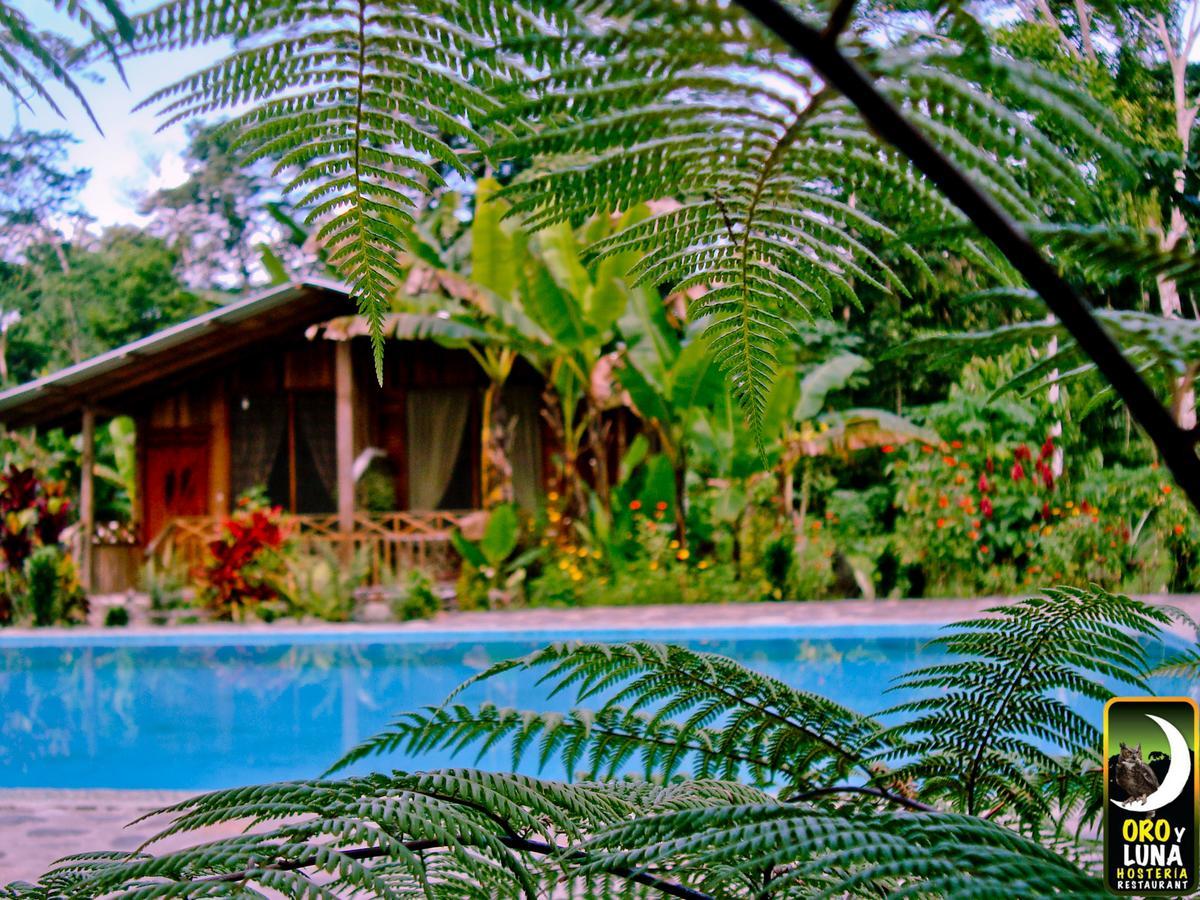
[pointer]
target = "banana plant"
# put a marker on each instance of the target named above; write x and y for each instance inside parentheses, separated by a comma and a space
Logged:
(797, 409)
(668, 388)
(531, 297)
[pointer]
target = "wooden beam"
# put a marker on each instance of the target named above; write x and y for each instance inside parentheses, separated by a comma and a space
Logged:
(344, 429)
(87, 497)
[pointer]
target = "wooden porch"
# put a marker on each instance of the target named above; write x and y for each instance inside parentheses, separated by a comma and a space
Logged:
(388, 543)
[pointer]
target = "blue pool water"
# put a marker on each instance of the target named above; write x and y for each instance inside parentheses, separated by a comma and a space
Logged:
(196, 711)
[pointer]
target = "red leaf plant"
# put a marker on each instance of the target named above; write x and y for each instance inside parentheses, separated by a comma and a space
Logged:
(246, 560)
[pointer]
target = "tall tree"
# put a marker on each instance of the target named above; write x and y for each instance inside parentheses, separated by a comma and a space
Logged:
(223, 216)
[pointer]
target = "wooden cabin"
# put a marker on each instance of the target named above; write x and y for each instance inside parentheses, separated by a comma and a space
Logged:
(241, 397)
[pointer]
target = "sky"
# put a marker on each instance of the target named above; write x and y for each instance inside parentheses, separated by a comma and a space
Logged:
(130, 157)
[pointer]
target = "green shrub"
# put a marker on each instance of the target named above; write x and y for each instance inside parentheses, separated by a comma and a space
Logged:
(779, 557)
(116, 617)
(318, 584)
(416, 598)
(494, 568)
(42, 585)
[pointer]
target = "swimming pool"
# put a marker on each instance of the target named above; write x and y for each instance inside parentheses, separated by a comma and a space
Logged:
(197, 711)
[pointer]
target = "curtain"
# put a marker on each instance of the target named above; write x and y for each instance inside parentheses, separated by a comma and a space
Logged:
(522, 403)
(315, 425)
(256, 431)
(437, 420)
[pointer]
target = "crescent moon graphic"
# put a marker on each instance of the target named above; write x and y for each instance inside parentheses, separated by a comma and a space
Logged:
(1177, 776)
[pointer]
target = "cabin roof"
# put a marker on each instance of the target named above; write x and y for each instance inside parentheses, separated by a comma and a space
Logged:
(105, 380)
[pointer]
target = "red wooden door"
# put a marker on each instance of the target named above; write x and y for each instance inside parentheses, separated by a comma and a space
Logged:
(176, 481)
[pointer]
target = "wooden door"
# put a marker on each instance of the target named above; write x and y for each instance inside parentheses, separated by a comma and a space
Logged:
(176, 481)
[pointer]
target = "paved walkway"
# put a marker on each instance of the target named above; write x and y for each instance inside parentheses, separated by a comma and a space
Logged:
(38, 826)
(633, 618)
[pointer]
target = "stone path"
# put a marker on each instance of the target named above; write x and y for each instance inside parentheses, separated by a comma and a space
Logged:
(698, 615)
(39, 826)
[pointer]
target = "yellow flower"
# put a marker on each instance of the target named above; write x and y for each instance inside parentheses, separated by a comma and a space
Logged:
(582, 554)
(577, 576)
(552, 496)
(777, 594)
(595, 554)
(1047, 531)
(654, 565)
(564, 564)
(682, 555)
(703, 564)
(674, 545)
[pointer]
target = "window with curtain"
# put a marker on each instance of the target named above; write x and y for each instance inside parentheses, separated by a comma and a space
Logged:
(439, 458)
(522, 403)
(316, 453)
(257, 435)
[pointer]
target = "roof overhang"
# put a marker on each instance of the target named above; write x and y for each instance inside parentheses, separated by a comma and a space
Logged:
(108, 381)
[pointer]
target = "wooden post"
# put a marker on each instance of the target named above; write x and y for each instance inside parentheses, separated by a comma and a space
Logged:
(219, 450)
(344, 429)
(87, 497)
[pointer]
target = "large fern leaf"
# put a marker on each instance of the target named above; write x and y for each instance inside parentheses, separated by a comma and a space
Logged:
(454, 833)
(32, 59)
(784, 197)
(996, 721)
(668, 708)
(365, 106)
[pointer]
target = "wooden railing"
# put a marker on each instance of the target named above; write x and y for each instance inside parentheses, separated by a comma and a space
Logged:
(386, 543)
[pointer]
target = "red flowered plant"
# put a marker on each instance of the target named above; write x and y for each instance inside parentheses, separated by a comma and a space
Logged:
(33, 513)
(247, 560)
(999, 518)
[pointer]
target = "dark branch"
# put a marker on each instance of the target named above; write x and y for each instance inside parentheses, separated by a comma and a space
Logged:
(839, 18)
(898, 799)
(522, 845)
(1175, 444)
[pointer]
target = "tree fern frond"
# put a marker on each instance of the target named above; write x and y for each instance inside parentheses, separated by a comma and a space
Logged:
(30, 59)
(1153, 343)
(999, 717)
(782, 850)
(455, 833)
(365, 103)
(783, 193)
(670, 708)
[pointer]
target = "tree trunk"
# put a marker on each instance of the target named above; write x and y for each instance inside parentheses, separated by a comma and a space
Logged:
(681, 497)
(496, 486)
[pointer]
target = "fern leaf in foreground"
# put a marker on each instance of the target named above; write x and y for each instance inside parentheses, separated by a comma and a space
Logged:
(782, 850)
(362, 105)
(670, 708)
(994, 722)
(455, 833)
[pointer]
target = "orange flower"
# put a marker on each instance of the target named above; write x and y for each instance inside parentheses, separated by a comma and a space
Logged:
(957, 445)
(950, 460)
(941, 523)
(1165, 488)
(983, 548)
(1179, 529)
(888, 448)
(973, 534)
(943, 501)
(925, 448)
(635, 505)
(661, 505)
